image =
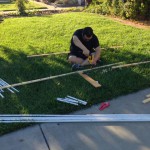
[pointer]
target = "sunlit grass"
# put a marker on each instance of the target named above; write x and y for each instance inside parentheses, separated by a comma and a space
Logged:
(12, 6)
(20, 37)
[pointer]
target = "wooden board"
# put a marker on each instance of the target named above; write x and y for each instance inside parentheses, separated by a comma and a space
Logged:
(41, 55)
(90, 80)
(146, 100)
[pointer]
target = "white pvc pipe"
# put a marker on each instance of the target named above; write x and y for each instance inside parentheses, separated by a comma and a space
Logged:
(79, 100)
(100, 118)
(66, 101)
(1, 89)
(5, 83)
(70, 100)
(10, 90)
(1, 95)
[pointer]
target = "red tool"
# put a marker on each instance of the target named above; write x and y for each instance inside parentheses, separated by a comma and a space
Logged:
(104, 105)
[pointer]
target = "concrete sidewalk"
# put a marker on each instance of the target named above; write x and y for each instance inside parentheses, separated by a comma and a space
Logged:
(88, 136)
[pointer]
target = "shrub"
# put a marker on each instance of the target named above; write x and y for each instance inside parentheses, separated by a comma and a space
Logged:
(21, 6)
(131, 9)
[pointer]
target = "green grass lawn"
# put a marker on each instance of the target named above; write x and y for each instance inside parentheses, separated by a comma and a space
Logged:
(35, 35)
(12, 6)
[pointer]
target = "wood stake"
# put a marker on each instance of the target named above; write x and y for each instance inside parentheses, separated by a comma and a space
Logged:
(90, 80)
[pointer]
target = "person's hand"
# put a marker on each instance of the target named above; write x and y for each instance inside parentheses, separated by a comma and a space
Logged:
(94, 62)
(86, 52)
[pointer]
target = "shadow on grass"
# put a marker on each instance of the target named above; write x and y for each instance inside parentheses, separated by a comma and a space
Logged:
(123, 55)
(40, 98)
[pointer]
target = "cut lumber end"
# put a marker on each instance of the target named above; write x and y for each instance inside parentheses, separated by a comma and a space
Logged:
(146, 100)
(90, 80)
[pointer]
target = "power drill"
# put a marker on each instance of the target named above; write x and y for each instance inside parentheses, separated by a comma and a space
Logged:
(90, 58)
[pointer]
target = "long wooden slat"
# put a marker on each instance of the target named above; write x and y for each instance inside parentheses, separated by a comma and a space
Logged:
(75, 72)
(59, 53)
(129, 65)
(100, 118)
(42, 55)
(57, 76)
(90, 80)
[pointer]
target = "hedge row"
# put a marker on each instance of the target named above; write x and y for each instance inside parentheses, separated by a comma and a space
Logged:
(130, 9)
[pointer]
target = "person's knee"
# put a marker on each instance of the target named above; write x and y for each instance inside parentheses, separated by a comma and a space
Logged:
(74, 59)
(71, 59)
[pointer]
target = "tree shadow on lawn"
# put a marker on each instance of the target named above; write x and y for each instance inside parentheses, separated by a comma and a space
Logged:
(15, 68)
(40, 98)
(120, 81)
(123, 55)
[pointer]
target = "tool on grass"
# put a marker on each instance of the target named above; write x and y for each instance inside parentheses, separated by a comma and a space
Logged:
(90, 60)
(104, 105)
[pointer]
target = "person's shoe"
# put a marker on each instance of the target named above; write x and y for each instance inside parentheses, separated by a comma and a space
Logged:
(76, 67)
(98, 62)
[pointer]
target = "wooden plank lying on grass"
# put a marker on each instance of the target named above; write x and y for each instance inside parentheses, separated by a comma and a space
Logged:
(90, 80)
(146, 100)
(75, 72)
(59, 53)
(130, 65)
(57, 76)
(42, 55)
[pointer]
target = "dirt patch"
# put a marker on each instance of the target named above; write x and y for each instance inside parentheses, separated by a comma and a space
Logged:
(137, 24)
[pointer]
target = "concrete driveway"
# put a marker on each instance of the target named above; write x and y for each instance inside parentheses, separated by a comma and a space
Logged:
(88, 136)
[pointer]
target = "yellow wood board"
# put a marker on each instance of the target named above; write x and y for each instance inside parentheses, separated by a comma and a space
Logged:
(90, 80)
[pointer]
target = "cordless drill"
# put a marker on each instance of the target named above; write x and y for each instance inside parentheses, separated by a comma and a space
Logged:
(90, 58)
